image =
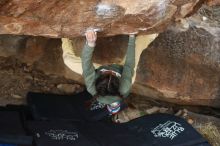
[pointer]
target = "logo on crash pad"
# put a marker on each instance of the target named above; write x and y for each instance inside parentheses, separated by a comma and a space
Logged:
(170, 129)
(62, 135)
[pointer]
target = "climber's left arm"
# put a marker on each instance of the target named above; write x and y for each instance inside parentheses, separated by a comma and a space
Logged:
(128, 69)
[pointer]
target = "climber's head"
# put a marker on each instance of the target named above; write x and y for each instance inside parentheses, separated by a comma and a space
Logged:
(107, 87)
(107, 84)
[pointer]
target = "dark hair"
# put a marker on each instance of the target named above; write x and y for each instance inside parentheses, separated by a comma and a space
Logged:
(107, 84)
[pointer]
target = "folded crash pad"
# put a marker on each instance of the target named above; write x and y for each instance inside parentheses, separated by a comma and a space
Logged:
(166, 130)
(152, 130)
(60, 133)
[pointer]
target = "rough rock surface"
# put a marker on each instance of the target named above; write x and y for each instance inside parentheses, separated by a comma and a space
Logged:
(182, 67)
(70, 18)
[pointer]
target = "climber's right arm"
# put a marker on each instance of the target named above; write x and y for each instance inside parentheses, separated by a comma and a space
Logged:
(87, 65)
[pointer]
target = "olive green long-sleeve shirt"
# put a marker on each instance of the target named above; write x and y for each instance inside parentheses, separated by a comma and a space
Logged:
(90, 75)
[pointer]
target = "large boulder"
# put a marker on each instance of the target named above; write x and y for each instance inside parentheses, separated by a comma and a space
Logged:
(70, 18)
(181, 67)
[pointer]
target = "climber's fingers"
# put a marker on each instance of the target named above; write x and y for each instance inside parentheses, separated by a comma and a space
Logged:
(91, 36)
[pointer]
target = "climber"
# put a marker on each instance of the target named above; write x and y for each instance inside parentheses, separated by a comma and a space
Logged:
(108, 84)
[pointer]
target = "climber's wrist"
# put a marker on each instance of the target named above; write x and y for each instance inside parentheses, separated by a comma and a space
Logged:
(91, 44)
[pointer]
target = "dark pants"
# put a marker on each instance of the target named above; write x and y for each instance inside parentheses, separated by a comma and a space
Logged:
(71, 107)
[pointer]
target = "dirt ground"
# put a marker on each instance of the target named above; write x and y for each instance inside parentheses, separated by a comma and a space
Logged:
(17, 78)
